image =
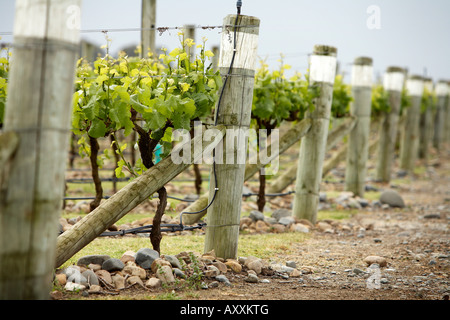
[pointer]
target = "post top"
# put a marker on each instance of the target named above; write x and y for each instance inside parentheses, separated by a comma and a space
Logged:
(416, 77)
(363, 61)
(247, 21)
(324, 50)
(395, 69)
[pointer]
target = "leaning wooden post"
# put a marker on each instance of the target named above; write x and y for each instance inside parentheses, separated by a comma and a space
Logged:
(223, 215)
(410, 132)
(130, 196)
(38, 110)
(313, 145)
(358, 142)
(393, 84)
(439, 120)
(148, 24)
(286, 141)
(426, 120)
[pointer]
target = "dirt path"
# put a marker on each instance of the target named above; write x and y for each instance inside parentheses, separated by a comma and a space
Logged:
(415, 241)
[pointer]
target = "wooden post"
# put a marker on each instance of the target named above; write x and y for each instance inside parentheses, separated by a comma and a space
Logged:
(88, 51)
(426, 121)
(446, 112)
(439, 120)
(313, 145)
(393, 84)
(410, 132)
(358, 142)
(126, 199)
(38, 110)
(222, 231)
(189, 33)
(215, 58)
(148, 24)
(447, 121)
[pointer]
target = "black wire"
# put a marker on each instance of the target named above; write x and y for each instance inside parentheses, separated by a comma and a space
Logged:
(217, 116)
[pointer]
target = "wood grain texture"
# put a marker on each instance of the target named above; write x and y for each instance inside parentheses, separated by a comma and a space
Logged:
(38, 110)
(234, 111)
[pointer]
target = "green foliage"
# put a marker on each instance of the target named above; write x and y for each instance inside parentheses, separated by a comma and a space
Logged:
(342, 97)
(276, 99)
(405, 100)
(4, 70)
(429, 100)
(165, 92)
(380, 101)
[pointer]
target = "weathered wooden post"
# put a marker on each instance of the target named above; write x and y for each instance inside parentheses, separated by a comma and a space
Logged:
(148, 24)
(189, 33)
(312, 147)
(448, 112)
(426, 120)
(393, 83)
(447, 121)
(238, 49)
(410, 132)
(358, 141)
(215, 58)
(38, 110)
(439, 120)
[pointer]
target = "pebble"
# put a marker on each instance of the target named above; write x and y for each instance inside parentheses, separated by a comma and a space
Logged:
(358, 271)
(135, 271)
(105, 275)
(95, 289)
(178, 273)
(382, 262)
(173, 261)
(280, 213)
(72, 286)
(299, 227)
(153, 283)
(291, 264)
(252, 278)
(256, 215)
(222, 278)
(113, 264)
(91, 277)
(211, 271)
(118, 281)
(392, 198)
(145, 257)
(165, 274)
(135, 279)
(234, 265)
(94, 259)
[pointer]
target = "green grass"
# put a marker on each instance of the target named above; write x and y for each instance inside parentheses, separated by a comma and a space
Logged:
(336, 214)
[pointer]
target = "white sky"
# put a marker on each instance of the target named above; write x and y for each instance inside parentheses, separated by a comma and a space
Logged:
(413, 33)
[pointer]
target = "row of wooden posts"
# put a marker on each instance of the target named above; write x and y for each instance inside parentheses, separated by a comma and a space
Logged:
(37, 131)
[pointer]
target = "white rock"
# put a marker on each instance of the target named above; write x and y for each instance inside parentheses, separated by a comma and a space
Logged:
(72, 286)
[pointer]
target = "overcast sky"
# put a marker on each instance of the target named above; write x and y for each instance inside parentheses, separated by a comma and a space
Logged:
(408, 33)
